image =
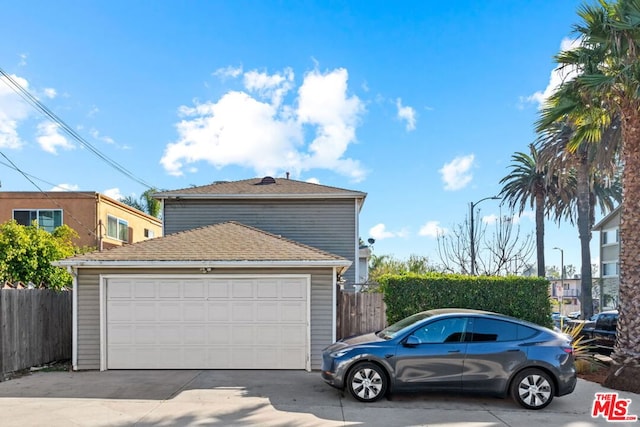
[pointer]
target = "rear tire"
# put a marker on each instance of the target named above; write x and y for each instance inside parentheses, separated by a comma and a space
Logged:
(532, 389)
(367, 382)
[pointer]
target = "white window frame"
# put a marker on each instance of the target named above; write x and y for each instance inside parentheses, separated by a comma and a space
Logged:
(611, 231)
(617, 269)
(119, 224)
(38, 211)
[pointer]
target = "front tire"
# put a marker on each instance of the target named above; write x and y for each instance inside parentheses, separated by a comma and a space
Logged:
(532, 389)
(367, 382)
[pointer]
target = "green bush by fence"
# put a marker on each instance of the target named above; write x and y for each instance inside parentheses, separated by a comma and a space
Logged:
(522, 297)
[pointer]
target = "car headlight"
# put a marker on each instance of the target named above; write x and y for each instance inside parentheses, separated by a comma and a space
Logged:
(339, 353)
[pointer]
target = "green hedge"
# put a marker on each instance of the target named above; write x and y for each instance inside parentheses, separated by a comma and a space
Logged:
(522, 297)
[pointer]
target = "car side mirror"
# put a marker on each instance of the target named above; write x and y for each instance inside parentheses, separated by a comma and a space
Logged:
(411, 341)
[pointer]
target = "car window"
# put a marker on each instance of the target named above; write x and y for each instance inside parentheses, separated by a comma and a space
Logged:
(448, 330)
(608, 322)
(525, 332)
(488, 330)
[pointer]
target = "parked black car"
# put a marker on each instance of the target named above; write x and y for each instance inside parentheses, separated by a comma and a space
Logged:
(455, 350)
(601, 331)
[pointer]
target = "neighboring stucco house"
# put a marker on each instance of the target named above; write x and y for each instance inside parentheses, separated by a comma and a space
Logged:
(320, 216)
(570, 294)
(100, 221)
(609, 251)
(222, 296)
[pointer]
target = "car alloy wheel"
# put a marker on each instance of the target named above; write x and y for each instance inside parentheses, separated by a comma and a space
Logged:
(533, 389)
(367, 382)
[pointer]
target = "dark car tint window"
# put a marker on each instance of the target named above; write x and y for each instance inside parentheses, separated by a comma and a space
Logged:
(525, 332)
(442, 331)
(608, 322)
(487, 330)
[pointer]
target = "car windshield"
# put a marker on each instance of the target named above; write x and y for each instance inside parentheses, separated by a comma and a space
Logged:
(392, 331)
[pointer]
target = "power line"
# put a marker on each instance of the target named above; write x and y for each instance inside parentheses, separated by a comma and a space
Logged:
(34, 102)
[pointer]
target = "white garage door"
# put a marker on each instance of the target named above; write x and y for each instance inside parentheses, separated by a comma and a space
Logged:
(220, 323)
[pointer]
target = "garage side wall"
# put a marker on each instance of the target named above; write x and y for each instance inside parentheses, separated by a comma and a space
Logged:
(89, 307)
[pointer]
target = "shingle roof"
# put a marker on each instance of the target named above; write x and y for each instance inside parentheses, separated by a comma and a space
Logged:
(223, 242)
(254, 187)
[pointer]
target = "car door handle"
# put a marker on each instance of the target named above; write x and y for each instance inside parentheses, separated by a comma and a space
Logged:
(454, 351)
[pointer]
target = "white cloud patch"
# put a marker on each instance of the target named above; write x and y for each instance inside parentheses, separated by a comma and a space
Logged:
(23, 59)
(380, 232)
(407, 114)
(258, 130)
(432, 229)
(226, 72)
(50, 138)
(65, 187)
(114, 193)
(530, 215)
(557, 77)
(13, 110)
(313, 180)
(490, 219)
(456, 174)
(50, 92)
(96, 135)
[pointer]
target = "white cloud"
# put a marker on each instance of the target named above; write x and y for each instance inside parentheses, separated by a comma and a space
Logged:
(408, 114)
(13, 110)
(490, 219)
(379, 232)
(23, 59)
(530, 215)
(432, 229)
(456, 174)
(313, 180)
(114, 193)
(65, 187)
(273, 87)
(50, 92)
(266, 134)
(95, 134)
(50, 138)
(558, 75)
(227, 72)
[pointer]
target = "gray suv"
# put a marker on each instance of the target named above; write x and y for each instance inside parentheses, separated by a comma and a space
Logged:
(455, 350)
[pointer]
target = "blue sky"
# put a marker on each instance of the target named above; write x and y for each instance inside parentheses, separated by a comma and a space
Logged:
(420, 104)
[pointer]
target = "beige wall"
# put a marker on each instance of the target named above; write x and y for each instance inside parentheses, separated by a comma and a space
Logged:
(83, 212)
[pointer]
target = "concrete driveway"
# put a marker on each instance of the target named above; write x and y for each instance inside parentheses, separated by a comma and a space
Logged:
(265, 398)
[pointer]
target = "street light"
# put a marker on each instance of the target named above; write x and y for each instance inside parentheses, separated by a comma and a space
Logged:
(561, 293)
(471, 233)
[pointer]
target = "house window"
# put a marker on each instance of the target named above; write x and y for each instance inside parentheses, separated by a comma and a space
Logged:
(609, 269)
(149, 234)
(48, 219)
(117, 228)
(610, 237)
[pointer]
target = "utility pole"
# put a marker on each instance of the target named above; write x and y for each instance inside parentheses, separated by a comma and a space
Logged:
(472, 237)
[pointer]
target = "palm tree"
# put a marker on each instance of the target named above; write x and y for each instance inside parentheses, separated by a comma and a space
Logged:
(586, 176)
(612, 30)
(146, 203)
(527, 184)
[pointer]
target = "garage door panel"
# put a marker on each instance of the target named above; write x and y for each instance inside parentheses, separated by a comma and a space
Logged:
(219, 289)
(194, 311)
(120, 311)
(267, 311)
(293, 312)
(219, 311)
(243, 289)
(207, 323)
(242, 311)
(145, 289)
(169, 311)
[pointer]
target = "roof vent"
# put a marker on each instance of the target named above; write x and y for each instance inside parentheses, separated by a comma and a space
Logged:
(267, 180)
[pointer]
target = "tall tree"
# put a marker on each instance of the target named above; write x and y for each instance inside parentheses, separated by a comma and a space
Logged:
(145, 203)
(527, 185)
(612, 29)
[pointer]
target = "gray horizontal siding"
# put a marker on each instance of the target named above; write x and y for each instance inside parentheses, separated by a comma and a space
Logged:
(329, 225)
(89, 308)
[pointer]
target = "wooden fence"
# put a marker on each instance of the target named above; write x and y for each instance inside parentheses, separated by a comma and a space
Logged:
(35, 328)
(360, 313)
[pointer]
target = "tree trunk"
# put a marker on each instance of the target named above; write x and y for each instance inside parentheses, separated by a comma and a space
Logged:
(584, 231)
(625, 370)
(540, 233)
